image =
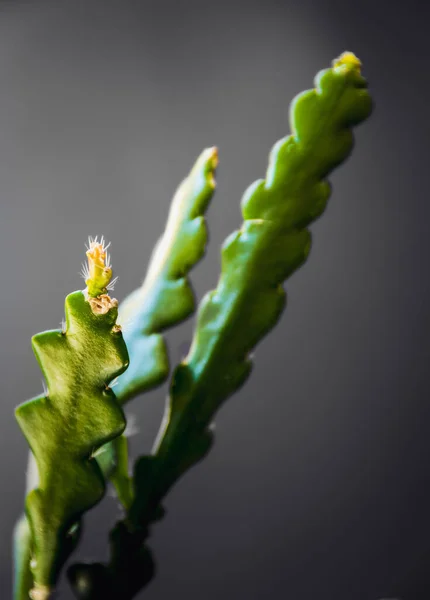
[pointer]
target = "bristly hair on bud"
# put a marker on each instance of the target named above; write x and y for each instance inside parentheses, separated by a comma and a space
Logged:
(97, 273)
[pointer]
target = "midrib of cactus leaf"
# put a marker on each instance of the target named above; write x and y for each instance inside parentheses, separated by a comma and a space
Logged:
(249, 299)
(78, 414)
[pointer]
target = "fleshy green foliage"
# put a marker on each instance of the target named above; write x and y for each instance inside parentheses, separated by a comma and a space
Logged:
(119, 472)
(23, 579)
(272, 243)
(166, 297)
(66, 426)
(22, 543)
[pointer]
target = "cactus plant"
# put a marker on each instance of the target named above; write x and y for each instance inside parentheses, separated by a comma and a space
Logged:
(77, 414)
(80, 415)
(164, 299)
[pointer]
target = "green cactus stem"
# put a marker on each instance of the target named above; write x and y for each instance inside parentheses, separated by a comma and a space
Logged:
(23, 579)
(78, 414)
(164, 299)
(272, 243)
(22, 546)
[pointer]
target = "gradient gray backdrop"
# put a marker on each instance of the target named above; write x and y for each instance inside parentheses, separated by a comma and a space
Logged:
(319, 484)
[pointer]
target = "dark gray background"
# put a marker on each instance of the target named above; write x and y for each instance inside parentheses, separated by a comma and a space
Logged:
(319, 483)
